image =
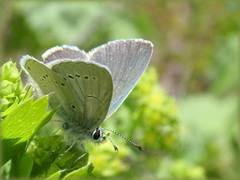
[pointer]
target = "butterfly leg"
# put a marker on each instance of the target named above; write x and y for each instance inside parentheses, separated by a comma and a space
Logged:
(107, 137)
(79, 158)
(70, 147)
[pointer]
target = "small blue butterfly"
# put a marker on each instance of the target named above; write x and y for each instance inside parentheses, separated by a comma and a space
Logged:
(89, 87)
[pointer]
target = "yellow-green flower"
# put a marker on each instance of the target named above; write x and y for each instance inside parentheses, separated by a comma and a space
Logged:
(12, 90)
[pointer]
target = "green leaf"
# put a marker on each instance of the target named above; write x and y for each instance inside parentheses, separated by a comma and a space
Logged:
(28, 92)
(5, 170)
(55, 175)
(8, 110)
(54, 170)
(10, 148)
(26, 119)
(25, 166)
(81, 172)
(22, 123)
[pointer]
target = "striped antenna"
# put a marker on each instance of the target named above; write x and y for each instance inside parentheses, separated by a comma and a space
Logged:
(128, 140)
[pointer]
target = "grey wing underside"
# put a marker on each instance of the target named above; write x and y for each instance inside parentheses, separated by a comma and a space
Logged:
(126, 60)
(92, 83)
(73, 109)
(64, 52)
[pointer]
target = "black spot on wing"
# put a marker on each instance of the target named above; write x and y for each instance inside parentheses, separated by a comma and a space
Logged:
(77, 75)
(70, 76)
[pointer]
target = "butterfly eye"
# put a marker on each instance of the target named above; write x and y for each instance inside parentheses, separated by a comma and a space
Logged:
(96, 134)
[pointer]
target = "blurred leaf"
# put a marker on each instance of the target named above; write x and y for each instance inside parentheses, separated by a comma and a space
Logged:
(227, 72)
(54, 158)
(206, 129)
(54, 176)
(25, 166)
(81, 172)
(65, 22)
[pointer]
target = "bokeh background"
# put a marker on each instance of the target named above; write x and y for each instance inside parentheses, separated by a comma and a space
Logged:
(184, 111)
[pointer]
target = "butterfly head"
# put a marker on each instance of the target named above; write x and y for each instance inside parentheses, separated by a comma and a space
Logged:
(98, 136)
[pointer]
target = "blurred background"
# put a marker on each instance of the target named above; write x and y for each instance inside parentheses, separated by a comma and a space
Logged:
(185, 109)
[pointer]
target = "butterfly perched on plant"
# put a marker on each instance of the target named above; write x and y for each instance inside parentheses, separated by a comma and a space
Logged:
(89, 87)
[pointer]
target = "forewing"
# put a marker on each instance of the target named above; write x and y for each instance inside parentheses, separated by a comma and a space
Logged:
(93, 87)
(63, 52)
(58, 89)
(126, 60)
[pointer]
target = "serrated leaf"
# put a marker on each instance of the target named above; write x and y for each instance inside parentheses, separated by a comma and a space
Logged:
(24, 120)
(22, 123)
(8, 110)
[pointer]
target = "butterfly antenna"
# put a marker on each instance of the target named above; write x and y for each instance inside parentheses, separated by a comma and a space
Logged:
(128, 140)
(114, 146)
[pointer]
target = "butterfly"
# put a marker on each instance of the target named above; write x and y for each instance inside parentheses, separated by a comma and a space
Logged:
(89, 87)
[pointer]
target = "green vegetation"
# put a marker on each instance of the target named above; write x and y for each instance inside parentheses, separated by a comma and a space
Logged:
(183, 111)
(51, 157)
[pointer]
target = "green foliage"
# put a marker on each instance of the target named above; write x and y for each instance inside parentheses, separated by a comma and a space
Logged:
(196, 51)
(227, 72)
(148, 114)
(181, 169)
(54, 158)
(208, 145)
(12, 91)
(22, 123)
(22, 155)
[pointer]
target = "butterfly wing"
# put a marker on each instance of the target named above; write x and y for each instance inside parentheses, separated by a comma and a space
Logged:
(126, 60)
(50, 83)
(62, 93)
(92, 84)
(64, 52)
